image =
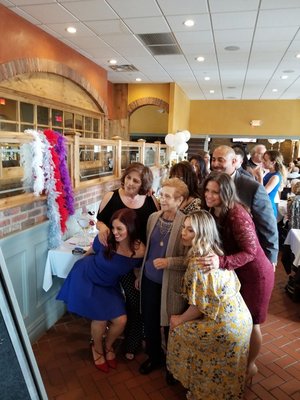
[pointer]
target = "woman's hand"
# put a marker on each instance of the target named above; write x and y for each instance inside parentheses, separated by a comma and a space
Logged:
(161, 263)
(103, 233)
(175, 320)
(209, 262)
(137, 284)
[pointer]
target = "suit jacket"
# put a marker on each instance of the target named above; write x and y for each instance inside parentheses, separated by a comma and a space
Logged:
(254, 195)
(171, 300)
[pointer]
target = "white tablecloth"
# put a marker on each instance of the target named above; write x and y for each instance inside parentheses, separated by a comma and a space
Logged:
(60, 261)
(293, 240)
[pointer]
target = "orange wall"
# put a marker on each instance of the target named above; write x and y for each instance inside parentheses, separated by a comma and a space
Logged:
(279, 117)
(20, 39)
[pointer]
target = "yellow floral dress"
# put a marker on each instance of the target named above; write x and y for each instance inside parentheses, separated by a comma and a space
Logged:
(209, 355)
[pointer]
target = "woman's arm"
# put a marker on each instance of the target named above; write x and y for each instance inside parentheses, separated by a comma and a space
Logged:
(101, 226)
(190, 314)
(272, 182)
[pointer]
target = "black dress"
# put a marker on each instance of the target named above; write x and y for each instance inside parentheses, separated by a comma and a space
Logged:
(134, 327)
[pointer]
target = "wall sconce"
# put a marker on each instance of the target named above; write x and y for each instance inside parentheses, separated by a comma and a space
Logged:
(256, 122)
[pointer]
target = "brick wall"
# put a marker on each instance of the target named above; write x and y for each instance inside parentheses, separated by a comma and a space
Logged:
(19, 218)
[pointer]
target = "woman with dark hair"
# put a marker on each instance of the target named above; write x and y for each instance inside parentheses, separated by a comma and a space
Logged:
(199, 166)
(136, 183)
(92, 288)
(184, 171)
(243, 253)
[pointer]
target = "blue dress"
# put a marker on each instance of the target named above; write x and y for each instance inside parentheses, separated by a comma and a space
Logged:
(273, 192)
(92, 288)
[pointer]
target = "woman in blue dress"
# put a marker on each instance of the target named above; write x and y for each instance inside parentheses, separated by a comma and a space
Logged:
(92, 288)
(272, 181)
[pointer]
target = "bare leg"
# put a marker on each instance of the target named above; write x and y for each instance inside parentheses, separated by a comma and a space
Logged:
(116, 328)
(98, 329)
(255, 345)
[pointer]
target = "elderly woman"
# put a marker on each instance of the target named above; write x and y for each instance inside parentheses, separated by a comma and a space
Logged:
(136, 183)
(92, 288)
(185, 171)
(162, 270)
(209, 342)
(243, 253)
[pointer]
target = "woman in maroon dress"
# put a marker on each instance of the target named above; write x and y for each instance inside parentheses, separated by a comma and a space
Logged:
(243, 254)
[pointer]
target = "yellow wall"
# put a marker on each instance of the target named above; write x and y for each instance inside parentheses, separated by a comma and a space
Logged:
(280, 117)
(139, 91)
(147, 119)
(179, 109)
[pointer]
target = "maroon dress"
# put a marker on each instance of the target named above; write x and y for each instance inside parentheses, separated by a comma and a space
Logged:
(245, 255)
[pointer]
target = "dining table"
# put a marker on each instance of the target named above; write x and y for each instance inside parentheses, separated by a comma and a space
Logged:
(60, 260)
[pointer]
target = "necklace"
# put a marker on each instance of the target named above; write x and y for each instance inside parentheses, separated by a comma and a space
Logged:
(164, 229)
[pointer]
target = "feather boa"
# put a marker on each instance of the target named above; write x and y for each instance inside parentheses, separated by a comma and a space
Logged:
(45, 168)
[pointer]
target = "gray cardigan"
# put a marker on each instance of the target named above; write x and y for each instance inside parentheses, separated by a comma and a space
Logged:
(171, 300)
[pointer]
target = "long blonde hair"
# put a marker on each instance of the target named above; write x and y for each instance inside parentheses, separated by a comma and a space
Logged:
(206, 238)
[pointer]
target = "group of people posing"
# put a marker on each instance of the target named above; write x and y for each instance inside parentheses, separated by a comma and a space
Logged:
(193, 270)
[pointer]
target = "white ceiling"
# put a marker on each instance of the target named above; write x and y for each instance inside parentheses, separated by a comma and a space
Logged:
(266, 32)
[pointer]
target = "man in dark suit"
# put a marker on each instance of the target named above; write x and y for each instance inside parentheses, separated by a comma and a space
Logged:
(254, 195)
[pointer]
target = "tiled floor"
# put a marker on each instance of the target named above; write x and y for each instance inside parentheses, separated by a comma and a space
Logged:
(65, 361)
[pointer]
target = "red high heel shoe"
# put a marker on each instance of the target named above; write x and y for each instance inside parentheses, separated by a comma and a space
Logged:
(103, 366)
(113, 362)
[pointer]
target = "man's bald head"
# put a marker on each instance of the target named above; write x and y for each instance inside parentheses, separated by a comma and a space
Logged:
(224, 160)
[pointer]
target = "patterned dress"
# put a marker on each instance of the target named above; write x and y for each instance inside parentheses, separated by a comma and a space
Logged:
(209, 355)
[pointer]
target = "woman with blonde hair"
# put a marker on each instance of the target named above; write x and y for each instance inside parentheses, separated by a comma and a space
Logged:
(208, 344)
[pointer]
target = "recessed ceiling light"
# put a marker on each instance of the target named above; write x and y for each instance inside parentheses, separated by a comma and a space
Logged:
(211, 91)
(297, 55)
(138, 79)
(231, 48)
(207, 78)
(200, 59)
(284, 77)
(71, 29)
(112, 61)
(274, 90)
(189, 23)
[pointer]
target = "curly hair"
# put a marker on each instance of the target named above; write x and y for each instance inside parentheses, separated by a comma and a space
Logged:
(145, 175)
(206, 234)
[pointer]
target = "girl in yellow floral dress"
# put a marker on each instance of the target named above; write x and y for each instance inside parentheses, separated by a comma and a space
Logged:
(208, 344)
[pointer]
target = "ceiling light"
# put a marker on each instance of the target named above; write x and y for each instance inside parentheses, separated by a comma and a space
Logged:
(288, 71)
(189, 23)
(71, 29)
(200, 59)
(284, 77)
(138, 79)
(297, 55)
(231, 48)
(207, 78)
(274, 90)
(112, 61)
(211, 91)
(231, 87)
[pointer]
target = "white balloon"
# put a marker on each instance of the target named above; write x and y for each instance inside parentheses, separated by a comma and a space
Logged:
(272, 141)
(187, 135)
(181, 148)
(179, 138)
(169, 139)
